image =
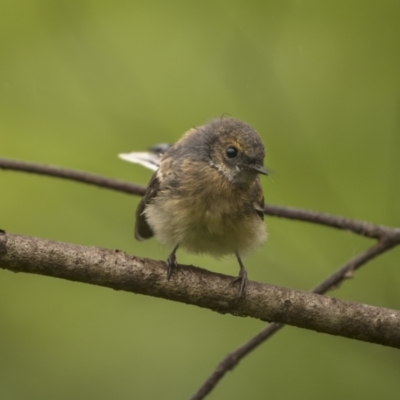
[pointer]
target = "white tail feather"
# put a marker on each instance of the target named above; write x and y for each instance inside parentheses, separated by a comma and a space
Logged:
(147, 160)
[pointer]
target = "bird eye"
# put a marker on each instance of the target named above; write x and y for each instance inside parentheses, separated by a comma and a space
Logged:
(231, 152)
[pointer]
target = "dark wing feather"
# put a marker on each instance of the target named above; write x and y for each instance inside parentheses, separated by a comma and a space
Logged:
(142, 228)
(259, 199)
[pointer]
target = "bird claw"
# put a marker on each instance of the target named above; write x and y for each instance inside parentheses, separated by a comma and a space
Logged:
(171, 264)
(242, 278)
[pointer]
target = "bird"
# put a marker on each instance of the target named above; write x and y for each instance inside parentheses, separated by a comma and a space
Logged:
(205, 194)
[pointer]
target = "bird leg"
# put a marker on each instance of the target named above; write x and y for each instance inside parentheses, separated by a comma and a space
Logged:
(242, 278)
(171, 262)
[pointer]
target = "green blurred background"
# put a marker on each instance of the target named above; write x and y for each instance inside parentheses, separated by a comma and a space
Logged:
(81, 81)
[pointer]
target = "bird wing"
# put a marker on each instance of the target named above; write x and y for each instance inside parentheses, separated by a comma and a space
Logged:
(142, 228)
(151, 160)
(259, 199)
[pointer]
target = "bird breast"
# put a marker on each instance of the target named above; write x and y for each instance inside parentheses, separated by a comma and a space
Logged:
(200, 210)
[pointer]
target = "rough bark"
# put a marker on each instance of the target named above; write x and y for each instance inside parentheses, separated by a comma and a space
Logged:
(195, 286)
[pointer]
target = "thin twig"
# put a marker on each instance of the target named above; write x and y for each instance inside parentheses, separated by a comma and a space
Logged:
(362, 228)
(233, 359)
(347, 270)
(341, 274)
(74, 175)
(359, 227)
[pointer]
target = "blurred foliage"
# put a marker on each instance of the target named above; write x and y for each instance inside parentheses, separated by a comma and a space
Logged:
(81, 81)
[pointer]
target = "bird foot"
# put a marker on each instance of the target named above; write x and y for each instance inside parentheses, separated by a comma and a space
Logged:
(242, 279)
(171, 264)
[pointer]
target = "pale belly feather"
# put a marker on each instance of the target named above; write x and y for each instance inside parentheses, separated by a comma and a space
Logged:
(204, 228)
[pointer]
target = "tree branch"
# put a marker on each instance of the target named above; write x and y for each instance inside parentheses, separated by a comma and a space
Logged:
(191, 285)
(343, 273)
(73, 175)
(359, 227)
(362, 228)
(307, 309)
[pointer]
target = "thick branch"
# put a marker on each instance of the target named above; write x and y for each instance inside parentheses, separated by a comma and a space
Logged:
(196, 286)
(360, 227)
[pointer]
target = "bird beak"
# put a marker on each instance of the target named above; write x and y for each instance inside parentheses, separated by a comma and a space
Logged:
(259, 168)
